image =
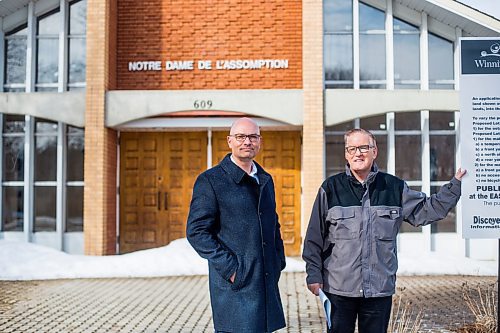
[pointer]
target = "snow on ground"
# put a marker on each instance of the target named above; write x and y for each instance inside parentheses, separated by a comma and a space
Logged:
(28, 261)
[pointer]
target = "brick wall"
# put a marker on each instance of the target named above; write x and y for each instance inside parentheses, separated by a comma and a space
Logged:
(178, 30)
(100, 143)
(313, 145)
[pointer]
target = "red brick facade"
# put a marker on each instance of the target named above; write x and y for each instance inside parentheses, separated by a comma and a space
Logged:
(180, 30)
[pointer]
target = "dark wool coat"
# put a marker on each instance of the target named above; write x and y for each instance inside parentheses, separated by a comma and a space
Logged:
(233, 223)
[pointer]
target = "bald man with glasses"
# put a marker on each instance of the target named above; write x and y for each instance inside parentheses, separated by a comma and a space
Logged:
(233, 224)
(350, 244)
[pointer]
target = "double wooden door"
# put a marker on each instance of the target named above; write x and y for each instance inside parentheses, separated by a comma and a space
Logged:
(157, 174)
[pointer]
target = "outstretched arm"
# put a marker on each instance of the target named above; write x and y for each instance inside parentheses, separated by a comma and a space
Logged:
(420, 209)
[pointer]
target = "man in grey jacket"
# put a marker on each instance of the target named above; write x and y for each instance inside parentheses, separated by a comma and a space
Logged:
(350, 245)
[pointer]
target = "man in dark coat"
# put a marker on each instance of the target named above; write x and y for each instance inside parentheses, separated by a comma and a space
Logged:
(233, 224)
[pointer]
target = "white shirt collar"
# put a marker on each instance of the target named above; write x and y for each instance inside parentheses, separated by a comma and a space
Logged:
(253, 171)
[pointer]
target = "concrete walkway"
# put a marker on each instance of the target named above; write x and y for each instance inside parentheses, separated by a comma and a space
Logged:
(181, 304)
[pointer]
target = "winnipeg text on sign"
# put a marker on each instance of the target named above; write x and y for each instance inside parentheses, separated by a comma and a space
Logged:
(489, 59)
(189, 65)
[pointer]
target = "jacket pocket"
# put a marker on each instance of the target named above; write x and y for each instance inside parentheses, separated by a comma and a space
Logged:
(386, 224)
(241, 275)
(342, 223)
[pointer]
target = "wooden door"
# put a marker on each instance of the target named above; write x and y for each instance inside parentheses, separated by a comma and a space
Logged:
(280, 156)
(157, 173)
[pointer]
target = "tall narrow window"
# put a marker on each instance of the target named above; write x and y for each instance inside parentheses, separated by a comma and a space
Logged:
(442, 138)
(74, 177)
(408, 146)
(406, 55)
(47, 55)
(335, 147)
(377, 126)
(13, 173)
(76, 44)
(45, 175)
(338, 43)
(371, 47)
(15, 60)
(440, 63)
(408, 153)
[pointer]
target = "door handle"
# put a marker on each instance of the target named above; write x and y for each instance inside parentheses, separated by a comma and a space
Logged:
(165, 200)
(158, 200)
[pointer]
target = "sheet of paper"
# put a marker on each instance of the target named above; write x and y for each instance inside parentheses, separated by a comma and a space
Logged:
(327, 306)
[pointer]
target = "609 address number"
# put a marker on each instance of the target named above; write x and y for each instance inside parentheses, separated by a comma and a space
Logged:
(202, 104)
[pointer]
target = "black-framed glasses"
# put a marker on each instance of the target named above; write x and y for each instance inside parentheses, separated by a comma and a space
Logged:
(351, 150)
(243, 137)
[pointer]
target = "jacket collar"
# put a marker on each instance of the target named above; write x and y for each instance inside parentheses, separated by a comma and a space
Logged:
(237, 173)
(371, 175)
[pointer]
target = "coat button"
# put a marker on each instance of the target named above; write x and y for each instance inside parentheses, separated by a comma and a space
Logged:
(264, 243)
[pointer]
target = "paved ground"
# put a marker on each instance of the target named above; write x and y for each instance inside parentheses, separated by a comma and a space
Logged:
(181, 304)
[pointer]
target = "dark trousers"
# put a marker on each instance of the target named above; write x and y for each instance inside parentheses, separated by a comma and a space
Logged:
(372, 313)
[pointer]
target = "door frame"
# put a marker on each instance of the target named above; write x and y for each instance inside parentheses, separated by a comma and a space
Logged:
(188, 124)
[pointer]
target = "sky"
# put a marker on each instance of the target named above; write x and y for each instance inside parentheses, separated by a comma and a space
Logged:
(28, 261)
(491, 7)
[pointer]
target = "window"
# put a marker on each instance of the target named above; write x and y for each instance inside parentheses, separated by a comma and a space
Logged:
(13, 173)
(46, 137)
(338, 43)
(15, 60)
(371, 47)
(47, 50)
(341, 55)
(408, 146)
(335, 160)
(406, 55)
(442, 137)
(377, 126)
(74, 179)
(45, 173)
(47, 61)
(440, 63)
(76, 45)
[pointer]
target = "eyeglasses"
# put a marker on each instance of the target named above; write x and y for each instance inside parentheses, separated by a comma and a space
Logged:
(243, 137)
(351, 150)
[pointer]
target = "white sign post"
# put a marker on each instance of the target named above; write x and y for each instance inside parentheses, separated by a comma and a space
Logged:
(480, 140)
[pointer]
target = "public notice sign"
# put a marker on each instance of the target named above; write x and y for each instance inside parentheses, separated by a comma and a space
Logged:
(480, 136)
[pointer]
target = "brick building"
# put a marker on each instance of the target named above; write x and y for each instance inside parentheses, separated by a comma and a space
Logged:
(110, 109)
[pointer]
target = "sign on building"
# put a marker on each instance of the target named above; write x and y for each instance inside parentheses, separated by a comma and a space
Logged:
(480, 136)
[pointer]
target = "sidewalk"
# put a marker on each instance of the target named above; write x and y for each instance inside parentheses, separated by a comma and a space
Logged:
(181, 304)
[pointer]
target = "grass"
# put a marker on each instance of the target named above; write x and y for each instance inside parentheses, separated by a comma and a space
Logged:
(404, 319)
(483, 305)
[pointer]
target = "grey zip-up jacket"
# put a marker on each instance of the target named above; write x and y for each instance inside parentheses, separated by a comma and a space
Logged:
(350, 245)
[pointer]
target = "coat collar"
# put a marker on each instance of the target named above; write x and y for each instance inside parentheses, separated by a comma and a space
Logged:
(371, 175)
(237, 173)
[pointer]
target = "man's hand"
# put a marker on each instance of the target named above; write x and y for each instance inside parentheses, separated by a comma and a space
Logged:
(460, 173)
(314, 288)
(232, 277)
